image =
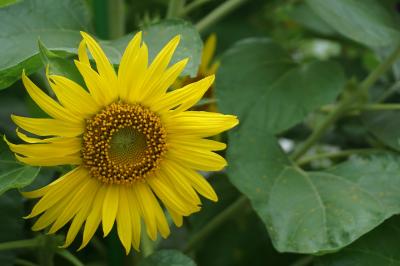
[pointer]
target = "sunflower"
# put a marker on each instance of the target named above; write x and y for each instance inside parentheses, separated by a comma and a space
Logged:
(208, 66)
(133, 144)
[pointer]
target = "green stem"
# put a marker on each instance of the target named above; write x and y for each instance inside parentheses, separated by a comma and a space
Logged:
(217, 221)
(380, 70)
(320, 130)
(344, 153)
(192, 6)
(68, 256)
(116, 15)
(21, 262)
(101, 18)
(174, 8)
(28, 243)
(218, 13)
(393, 89)
(381, 107)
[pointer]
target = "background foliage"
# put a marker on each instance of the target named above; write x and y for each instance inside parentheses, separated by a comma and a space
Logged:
(314, 168)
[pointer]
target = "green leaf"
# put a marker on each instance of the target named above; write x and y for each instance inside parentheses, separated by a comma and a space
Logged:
(4, 3)
(167, 257)
(379, 247)
(12, 173)
(367, 21)
(55, 23)
(258, 80)
(384, 126)
(311, 212)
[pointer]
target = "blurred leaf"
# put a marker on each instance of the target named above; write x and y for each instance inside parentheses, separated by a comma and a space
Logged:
(305, 16)
(366, 21)
(379, 247)
(384, 126)
(167, 257)
(11, 224)
(310, 212)
(12, 173)
(55, 23)
(258, 80)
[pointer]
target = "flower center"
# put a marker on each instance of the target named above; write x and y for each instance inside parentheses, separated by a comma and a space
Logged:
(123, 143)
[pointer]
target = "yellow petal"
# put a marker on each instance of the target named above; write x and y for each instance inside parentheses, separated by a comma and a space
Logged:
(134, 208)
(61, 147)
(196, 143)
(85, 191)
(49, 160)
(198, 123)
(94, 218)
(168, 78)
(136, 75)
(80, 218)
(82, 53)
(178, 219)
(60, 191)
(146, 199)
(124, 225)
(208, 53)
(47, 104)
(73, 96)
(199, 183)
(48, 127)
(199, 160)
(129, 62)
(110, 208)
(157, 67)
(104, 67)
(27, 139)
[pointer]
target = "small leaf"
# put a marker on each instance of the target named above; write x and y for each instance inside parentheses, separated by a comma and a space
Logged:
(367, 21)
(379, 247)
(167, 257)
(258, 80)
(4, 3)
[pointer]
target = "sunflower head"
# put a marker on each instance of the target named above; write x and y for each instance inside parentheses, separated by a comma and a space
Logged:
(134, 145)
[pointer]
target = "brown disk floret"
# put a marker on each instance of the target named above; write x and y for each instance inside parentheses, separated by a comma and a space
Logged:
(123, 143)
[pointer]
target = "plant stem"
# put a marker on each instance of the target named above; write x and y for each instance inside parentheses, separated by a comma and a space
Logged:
(218, 13)
(216, 222)
(192, 6)
(331, 155)
(116, 21)
(393, 89)
(68, 256)
(22, 262)
(320, 130)
(380, 70)
(382, 107)
(28, 243)
(174, 8)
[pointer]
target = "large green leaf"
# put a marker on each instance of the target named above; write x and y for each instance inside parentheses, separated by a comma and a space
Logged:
(379, 247)
(257, 78)
(364, 21)
(12, 173)
(57, 25)
(310, 212)
(167, 257)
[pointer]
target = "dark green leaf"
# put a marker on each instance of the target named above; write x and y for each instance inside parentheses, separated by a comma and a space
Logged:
(12, 173)
(310, 212)
(364, 21)
(167, 257)
(379, 247)
(258, 80)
